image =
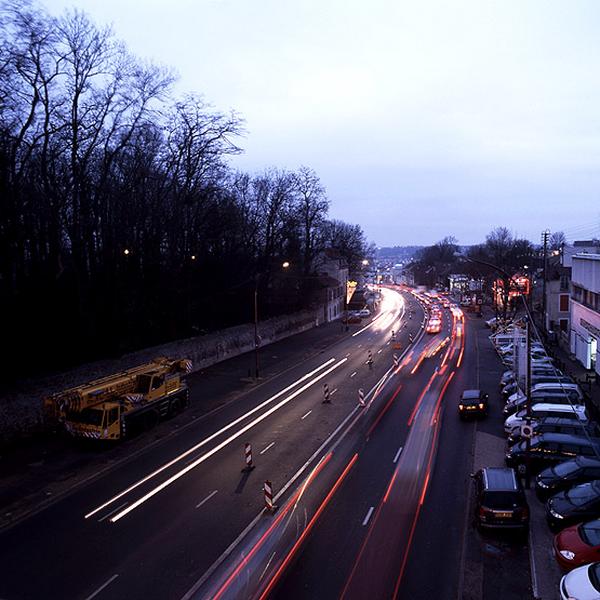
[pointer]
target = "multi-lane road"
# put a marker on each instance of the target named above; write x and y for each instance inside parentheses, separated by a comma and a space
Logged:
(372, 496)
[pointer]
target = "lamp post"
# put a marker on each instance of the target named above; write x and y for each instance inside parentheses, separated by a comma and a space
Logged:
(508, 278)
(284, 265)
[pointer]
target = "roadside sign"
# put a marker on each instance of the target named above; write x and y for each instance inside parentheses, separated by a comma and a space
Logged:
(526, 431)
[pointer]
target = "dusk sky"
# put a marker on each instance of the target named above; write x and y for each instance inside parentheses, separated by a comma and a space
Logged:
(422, 119)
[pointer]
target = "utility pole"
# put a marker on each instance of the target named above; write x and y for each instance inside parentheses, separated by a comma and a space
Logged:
(529, 411)
(545, 236)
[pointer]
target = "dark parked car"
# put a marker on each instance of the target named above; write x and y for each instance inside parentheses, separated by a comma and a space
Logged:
(473, 403)
(579, 503)
(500, 500)
(549, 448)
(558, 425)
(566, 474)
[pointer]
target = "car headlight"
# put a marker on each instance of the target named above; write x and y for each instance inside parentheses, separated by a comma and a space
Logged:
(461, 407)
(555, 514)
(567, 554)
(542, 484)
(481, 406)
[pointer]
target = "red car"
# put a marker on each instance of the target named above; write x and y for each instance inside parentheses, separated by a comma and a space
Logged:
(577, 545)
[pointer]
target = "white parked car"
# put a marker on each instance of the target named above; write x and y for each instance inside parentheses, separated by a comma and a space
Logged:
(544, 409)
(365, 312)
(582, 583)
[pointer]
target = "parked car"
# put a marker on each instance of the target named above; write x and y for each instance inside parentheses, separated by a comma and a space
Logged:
(473, 403)
(542, 410)
(365, 312)
(582, 583)
(566, 474)
(500, 501)
(512, 407)
(558, 425)
(550, 388)
(549, 448)
(579, 503)
(512, 387)
(577, 545)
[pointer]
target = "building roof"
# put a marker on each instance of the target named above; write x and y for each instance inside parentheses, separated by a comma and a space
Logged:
(586, 256)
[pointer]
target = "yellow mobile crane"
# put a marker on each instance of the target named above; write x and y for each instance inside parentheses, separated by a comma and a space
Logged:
(114, 407)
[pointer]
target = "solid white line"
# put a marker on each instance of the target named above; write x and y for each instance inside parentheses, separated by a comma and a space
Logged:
(367, 327)
(369, 513)
(306, 415)
(207, 574)
(206, 499)
(101, 587)
(208, 439)
(353, 374)
(222, 445)
(397, 455)
(112, 512)
(269, 446)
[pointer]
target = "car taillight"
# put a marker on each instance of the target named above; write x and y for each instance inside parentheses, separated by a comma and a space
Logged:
(524, 514)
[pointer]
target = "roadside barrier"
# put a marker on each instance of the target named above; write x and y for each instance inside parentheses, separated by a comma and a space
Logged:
(248, 457)
(361, 396)
(326, 394)
(268, 489)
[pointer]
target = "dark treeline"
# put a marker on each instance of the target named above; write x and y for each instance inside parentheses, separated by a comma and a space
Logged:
(121, 223)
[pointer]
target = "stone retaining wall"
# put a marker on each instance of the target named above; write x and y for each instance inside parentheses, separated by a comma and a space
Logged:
(21, 410)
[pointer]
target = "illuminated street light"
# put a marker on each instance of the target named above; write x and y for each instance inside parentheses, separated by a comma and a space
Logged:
(365, 262)
(285, 265)
(126, 252)
(193, 257)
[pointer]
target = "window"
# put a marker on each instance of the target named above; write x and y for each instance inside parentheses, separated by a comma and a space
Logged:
(563, 325)
(157, 381)
(563, 303)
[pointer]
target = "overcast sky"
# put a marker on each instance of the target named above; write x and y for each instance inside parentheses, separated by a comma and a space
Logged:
(422, 118)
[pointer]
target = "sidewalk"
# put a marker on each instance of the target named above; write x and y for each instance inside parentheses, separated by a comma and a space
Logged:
(489, 449)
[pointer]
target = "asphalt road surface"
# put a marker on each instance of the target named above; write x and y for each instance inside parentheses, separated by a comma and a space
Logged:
(151, 528)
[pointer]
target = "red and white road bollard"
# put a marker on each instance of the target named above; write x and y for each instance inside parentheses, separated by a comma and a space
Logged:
(268, 489)
(326, 394)
(248, 456)
(361, 396)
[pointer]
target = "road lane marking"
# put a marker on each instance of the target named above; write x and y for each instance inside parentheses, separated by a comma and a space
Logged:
(187, 462)
(112, 512)
(380, 351)
(267, 448)
(102, 587)
(206, 499)
(333, 392)
(208, 439)
(359, 346)
(369, 513)
(222, 445)
(397, 455)
(192, 591)
(353, 374)
(306, 415)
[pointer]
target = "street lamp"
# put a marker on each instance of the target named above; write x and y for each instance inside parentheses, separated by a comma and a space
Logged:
(126, 252)
(365, 262)
(285, 265)
(529, 325)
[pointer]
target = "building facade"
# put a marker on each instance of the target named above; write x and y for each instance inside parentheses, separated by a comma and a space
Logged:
(585, 310)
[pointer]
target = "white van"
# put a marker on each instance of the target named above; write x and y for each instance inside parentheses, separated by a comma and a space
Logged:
(539, 411)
